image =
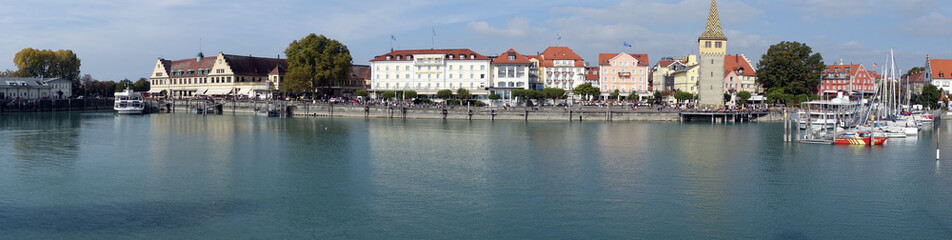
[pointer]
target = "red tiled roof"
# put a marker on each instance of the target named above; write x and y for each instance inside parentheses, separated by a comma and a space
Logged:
(734, 63)
(403, 54)
(184, 65)
(360, 71)
(665, 63)
(605, 58)
(943, 66)
(591, 73)
(561, 53)
(842, 68)
(917, 77)
(504, 58)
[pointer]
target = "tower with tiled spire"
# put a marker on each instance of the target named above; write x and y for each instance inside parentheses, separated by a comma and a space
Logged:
(712, 46)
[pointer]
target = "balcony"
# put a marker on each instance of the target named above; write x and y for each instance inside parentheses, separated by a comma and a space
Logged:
(624, 74)
(428, 62)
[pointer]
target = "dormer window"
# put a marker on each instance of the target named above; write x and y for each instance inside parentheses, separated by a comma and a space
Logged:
(449, 56)
(941, 75)
(462, 56)
(472, 56)
(389, 57)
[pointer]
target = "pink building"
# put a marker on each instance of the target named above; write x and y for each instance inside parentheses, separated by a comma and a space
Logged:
(625, 72)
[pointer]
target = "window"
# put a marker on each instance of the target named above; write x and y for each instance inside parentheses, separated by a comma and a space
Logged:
(707, 44)
(408, 76)
(718, 44)
(482, 67)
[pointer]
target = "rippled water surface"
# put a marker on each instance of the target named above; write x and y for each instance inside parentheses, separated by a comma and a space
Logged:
(94, 175)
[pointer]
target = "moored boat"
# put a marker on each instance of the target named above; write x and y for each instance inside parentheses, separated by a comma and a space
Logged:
(129, 102)
(860, 138)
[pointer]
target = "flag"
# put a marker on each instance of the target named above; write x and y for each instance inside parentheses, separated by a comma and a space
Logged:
(558, 37)
(626, 44)
(874, 65)
(393, 37)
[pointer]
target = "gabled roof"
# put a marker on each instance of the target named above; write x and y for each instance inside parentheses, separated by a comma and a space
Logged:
(917, 77)
(360, 71)
(592, 73)
(561, 53)
(943, 66)
(248, 65)
(735, 63)
(604, 59)
(403, 54)
(854, 69)
(665, 63)
(518, 58)
(189, 64)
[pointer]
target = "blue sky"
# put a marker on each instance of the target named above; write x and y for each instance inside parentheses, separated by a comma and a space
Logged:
(122, 39)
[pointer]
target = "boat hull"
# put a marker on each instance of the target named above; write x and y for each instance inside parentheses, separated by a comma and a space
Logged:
(860, 141)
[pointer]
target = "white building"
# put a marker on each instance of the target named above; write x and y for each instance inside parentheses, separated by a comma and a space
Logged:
(511, 70)
(939, 73)
(219, 75)
(35, 88)
(562, 68)
(427, 71)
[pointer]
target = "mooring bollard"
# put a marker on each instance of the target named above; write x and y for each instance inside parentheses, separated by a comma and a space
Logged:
(493, 112)
(444, 113)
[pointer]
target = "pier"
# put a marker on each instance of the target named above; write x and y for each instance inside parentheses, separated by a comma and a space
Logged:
(723, 117)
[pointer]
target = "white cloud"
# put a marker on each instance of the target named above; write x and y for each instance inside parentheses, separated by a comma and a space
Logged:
(931, 25)
(653, 12)
(516, 28)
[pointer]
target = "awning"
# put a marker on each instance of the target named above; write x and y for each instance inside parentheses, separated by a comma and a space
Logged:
(244, 91)
(201, 91)
(155, 90)
(218, 91)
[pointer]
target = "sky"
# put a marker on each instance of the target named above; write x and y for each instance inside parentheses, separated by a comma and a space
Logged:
(123, 39)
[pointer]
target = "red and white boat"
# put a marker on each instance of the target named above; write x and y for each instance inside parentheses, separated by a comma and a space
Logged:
(859, 138)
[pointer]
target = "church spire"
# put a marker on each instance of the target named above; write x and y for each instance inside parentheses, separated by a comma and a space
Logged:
(713, 29)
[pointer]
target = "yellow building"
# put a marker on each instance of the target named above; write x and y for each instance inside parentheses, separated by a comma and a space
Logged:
(219, 75)
(686, 77)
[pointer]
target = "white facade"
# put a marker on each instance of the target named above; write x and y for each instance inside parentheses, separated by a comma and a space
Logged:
(428, 71)
(564, 74)
(35, 88)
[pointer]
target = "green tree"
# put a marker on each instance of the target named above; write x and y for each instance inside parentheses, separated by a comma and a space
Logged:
(463, 94)
(553, 93)
(362, 93)
(315, 62)
(792, 66)
(614, 94)
(493, 97)
(914, 70)
(727, 97)
(633, 96)
(444, 94)
(49, 64)
(410, 94)
(930, 96)
(141, 85)
(123, 84)
(682, 96)
(586, 90)
(742, 97)
(388, 95)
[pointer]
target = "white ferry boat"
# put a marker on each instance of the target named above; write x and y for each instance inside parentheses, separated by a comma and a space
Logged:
(129, 102)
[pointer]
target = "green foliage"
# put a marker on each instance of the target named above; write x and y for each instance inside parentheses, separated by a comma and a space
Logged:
(930, 97)
(727, 97)
(422, 101)
(463, 94)
(444, 94)
(682, 96)
(141, 85)
(743, 96)
(479, 104)
(362, 93)
(454, 102)
(553, 93)
(586, 90)
(657, 95)
(410, 94)
(633, 96)
(494, 97)
(914, 70)
(388, 95)
(774, 95)
(315, 62)
(792, 66)
(49, 64)
(122, 85)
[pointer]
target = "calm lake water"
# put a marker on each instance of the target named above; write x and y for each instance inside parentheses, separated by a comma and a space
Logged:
(95, 175)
